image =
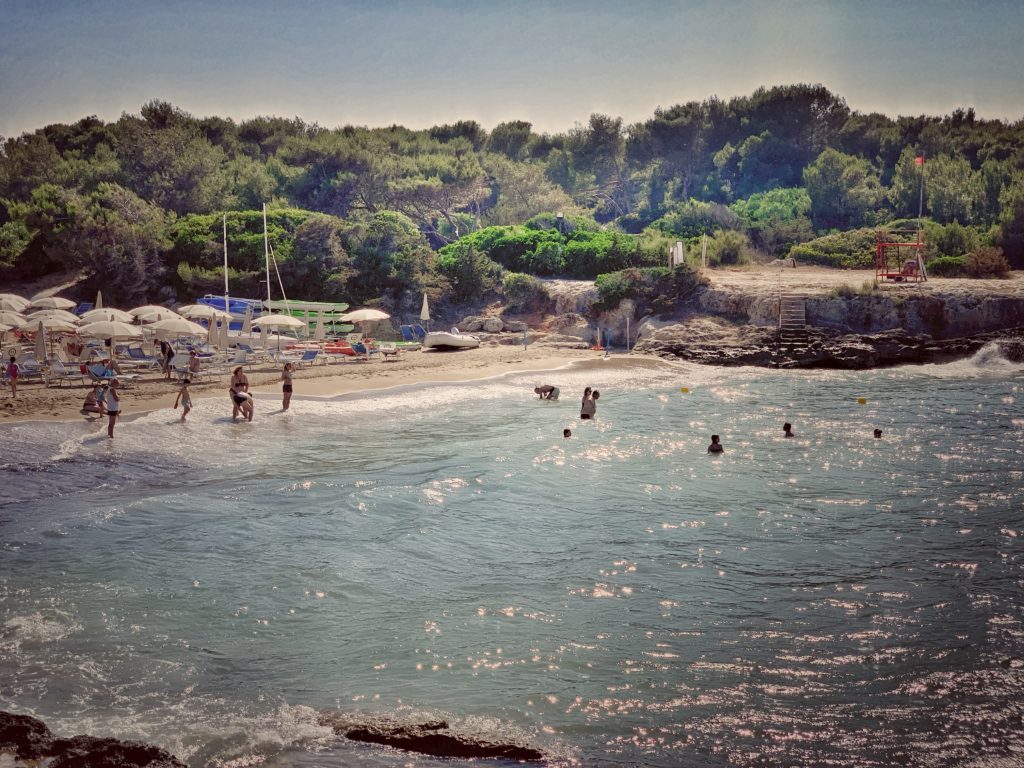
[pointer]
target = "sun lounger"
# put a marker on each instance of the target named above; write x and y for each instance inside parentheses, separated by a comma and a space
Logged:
(388, 351)
(421, 334)
(61, 373)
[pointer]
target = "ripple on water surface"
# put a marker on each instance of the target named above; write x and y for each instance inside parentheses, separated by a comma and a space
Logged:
(616, 598)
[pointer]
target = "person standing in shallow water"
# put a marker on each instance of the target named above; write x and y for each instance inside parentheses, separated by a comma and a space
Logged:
(587, 407)
(715, 447)
(787, 430)
(112, 402)
(240, 397)
(286, 387)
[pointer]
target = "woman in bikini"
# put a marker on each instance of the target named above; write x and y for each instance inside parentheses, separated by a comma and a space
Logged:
(286, 377)
(240, 397)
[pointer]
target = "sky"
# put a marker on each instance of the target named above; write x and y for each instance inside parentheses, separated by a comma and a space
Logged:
(420, 63)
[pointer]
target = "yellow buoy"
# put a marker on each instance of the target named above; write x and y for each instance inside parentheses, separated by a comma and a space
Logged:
(684, 390)
(862, 401)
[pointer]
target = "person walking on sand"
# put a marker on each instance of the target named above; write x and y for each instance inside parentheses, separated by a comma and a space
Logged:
(13, 371)
(240, 397)
(286, 386)
(184, 398)
(166, 355)
(112, 402)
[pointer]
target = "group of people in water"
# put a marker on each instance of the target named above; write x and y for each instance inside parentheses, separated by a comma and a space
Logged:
(588, 410)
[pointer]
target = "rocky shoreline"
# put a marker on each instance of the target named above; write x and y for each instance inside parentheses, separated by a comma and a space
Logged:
(821, 347)
(31, 742)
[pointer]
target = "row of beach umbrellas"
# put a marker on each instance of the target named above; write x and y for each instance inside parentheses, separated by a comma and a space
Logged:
(47, 313)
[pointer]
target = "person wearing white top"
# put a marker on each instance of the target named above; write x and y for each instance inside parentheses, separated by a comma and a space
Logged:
(112, 401)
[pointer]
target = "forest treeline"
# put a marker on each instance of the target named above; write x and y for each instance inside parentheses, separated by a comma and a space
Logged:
(359, 214)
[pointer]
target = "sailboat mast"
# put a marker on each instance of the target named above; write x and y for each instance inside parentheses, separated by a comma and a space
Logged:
(227, 303)
(266, 253)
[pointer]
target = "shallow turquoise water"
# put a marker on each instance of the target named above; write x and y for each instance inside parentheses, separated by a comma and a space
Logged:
(619, 598)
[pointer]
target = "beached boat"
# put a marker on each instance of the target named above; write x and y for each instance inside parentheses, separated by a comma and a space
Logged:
(446, 340)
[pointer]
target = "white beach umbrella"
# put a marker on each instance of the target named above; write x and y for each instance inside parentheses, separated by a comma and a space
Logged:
(201, 310)
(49, 323)
(111, 329)
(4, 328)
(41, 343)
(247, 323)
(321, 328)
(264, 335)
(147, 309)
(157, 314)
(225, 326)
(425, 312)
(53, 302)
(14, 300)
(178, 325)
(277, 321)
(98, 304)
(60, 314)
(14, 319)
(107, 313)
(365, 316)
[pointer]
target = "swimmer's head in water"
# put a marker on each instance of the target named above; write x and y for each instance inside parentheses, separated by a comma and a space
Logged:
(566, 432)
(878, 433)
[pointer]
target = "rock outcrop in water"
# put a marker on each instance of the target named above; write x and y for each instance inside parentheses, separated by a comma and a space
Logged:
(431, 738)
(30, 739)
(718, 343)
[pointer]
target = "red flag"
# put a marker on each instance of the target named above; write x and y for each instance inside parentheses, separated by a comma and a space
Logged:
(919, 160)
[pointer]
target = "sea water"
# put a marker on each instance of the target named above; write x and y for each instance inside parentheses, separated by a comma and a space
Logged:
(616, 598)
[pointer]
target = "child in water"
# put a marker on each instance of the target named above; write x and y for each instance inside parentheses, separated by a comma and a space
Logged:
(185, 398)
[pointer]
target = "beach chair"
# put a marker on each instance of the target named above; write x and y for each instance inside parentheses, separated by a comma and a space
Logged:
(60, 373)
(82, 308)
(141, 359)
(98, 373)
(364, 350)
(421, 334)
(309, 357)
(407, 333)
(388, 351)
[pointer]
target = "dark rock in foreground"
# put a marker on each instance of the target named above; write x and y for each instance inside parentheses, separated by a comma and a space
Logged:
(431, 738)
(30, 739)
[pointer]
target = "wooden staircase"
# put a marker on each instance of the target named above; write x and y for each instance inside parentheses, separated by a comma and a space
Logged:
(793, 319)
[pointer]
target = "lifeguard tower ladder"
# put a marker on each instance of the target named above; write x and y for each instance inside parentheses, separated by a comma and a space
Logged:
(900, 260)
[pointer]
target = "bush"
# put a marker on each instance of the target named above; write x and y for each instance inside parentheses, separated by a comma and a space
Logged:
(656, 289)
(523, 292)
(469, 272)
(947, 266)
(849, 250)
(846, 290)
(986, 262)
(728, 247)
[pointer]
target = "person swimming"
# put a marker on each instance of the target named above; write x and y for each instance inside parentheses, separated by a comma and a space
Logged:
(787, 430)
(878, 434)
(566, 432)
(715, 447)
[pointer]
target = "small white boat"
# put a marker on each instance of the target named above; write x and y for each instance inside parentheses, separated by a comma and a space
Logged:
(446, 340)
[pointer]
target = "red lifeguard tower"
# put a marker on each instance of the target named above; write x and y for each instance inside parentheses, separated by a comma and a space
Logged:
(898, 258)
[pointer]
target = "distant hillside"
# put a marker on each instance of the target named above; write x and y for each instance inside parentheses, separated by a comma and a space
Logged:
(360, 212)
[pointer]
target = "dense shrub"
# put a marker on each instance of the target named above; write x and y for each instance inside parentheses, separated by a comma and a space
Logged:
(695, 217)
(986, 262)
(654, 289)
(468, 271)
(947, 266)
(850, 250)
(728, 247)
(523, 292)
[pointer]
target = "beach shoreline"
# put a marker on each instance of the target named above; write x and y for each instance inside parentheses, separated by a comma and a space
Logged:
(339, 381)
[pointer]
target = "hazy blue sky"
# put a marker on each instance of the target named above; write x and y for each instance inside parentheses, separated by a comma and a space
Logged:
(552, 62)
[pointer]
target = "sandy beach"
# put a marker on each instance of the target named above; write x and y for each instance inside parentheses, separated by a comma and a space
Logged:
(36, 402)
